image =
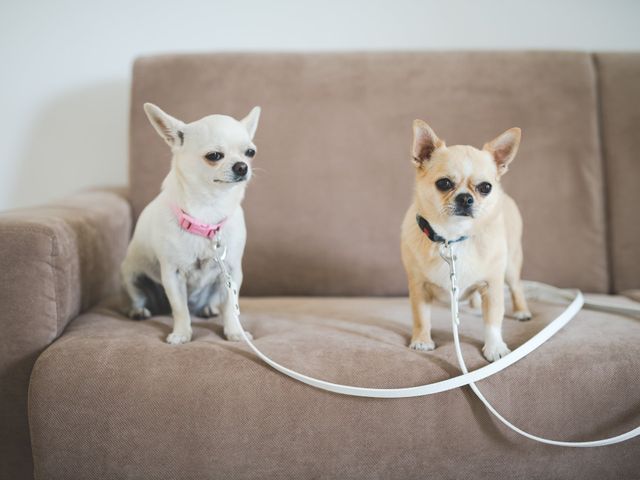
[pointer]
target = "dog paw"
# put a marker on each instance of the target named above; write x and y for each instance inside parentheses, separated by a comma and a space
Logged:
(422, 346)
(237, 336)
(522, 315)
(495, 350)
(176, 338)
(209, 311)
(139, 313)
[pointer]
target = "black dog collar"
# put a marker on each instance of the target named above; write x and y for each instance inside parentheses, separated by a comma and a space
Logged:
(428, 230)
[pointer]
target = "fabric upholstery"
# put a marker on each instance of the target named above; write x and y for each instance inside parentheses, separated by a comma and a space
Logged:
(619, 93)
(55, 262)
(632, 294)
(335, 175)
(111, 400)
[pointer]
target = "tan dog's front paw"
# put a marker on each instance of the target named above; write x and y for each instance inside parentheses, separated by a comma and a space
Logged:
(422, 344)
(522, 315)
(176, 338)
(237, 336)
(495, 350)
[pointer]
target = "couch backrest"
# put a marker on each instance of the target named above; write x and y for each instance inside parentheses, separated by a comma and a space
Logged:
(334, 176)
(619, 93)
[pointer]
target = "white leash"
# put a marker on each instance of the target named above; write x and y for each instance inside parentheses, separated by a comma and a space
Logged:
(467, 378)
(449, 256)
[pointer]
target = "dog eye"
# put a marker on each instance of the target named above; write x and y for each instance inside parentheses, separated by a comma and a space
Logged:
(250, 153)
(444, 184)
(484, 188)
(214, 156)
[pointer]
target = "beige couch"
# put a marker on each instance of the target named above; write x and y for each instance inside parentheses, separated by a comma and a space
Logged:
(324, 289)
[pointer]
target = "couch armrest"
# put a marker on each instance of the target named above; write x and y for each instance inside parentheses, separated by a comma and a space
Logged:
(55, 262)
(60, 259)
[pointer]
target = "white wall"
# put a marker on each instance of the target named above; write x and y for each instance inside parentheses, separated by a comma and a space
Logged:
(65, 64)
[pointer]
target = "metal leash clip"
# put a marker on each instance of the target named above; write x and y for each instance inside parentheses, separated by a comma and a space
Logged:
(232, 289)
(218, 246)
(448, 255)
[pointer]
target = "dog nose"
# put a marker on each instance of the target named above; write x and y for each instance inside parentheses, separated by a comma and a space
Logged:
(240, 169)
(464, 200)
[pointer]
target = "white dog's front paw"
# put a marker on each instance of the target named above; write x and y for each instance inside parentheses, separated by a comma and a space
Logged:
(177, 337)
(495, 350)
(237, 336)
(139, 313)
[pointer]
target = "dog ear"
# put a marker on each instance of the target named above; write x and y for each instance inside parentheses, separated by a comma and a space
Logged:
(250, 122)
(169, 128)
(503, 148)
(425, 142)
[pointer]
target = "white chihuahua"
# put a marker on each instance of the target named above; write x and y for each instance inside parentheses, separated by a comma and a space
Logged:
(170, 262)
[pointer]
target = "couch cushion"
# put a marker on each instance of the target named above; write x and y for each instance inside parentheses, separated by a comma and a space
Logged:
(335, 176)
(110, 399)
(619, 88)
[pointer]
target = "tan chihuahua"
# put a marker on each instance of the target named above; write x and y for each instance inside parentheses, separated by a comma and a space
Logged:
(458, 197)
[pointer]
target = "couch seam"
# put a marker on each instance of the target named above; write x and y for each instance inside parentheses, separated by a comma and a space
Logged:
(55, 271)
(29, 411)
(606, 204)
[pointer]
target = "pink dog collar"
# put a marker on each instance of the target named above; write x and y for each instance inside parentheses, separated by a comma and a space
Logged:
(191, 225)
